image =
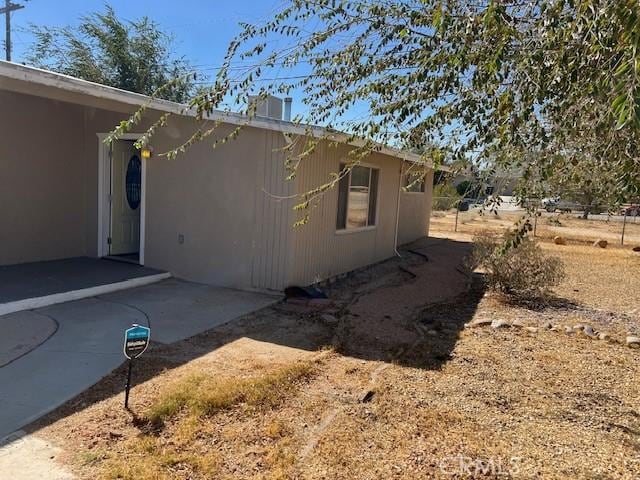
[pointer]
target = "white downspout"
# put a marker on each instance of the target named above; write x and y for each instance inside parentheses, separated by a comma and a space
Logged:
(395, 242)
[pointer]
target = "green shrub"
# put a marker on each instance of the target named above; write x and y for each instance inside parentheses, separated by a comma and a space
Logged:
(445, 197)
(522, 272)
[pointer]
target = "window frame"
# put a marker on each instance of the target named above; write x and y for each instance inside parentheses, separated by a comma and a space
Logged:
(346, 230)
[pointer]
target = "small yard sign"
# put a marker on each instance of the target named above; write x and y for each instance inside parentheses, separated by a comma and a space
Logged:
(136, 341)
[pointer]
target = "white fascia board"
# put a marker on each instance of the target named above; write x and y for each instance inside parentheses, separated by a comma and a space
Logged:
(71, 84)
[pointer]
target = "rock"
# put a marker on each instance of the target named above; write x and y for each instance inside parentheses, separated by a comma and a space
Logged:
(635, 249)
(328, 318)
(605, 337)
(366, 398)
(531, 329)
(568, 329)
(633, 341)
(558, 240)
(517, 323)
(432, 333)
(589, 332)
(500, 324)
(478, 322)
(600, 243)
(547, 325)
(578, 327)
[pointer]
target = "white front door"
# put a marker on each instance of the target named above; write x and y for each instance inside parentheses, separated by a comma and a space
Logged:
(126, 191)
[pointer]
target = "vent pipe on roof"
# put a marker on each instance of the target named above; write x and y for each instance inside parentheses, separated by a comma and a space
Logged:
(287, 109)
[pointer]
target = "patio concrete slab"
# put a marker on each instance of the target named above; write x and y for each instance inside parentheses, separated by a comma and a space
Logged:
(178, 309)
(88, 342)
(39, 279)
(22, 332)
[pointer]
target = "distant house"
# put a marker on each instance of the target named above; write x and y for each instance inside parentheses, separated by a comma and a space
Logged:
(501, 183)
(218, 216)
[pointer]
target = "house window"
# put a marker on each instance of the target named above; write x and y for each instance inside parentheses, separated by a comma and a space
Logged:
(357, 198)
(413, 182)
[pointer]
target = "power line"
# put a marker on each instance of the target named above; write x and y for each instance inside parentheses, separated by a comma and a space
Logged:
(8, 8)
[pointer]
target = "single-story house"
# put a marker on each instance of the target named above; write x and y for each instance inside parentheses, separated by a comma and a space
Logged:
(218, 216)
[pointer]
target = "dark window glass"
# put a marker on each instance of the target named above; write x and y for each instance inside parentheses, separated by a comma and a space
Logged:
(373, 196)
(133, 182)
(343, 192)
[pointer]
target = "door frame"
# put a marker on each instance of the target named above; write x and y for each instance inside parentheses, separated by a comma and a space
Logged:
(104, 187)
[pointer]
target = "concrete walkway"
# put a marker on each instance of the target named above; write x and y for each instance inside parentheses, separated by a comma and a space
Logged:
(54, 353)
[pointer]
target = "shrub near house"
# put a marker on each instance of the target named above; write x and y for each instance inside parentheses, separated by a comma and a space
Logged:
(522, 271)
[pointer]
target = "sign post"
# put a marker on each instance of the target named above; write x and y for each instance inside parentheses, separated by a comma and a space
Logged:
(136, 341)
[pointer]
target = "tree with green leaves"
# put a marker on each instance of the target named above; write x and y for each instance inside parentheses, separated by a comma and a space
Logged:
(588, 182)
(131, 55)
(503, 84)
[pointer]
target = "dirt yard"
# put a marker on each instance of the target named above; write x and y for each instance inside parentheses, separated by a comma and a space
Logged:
(384, 382)
(547, 225)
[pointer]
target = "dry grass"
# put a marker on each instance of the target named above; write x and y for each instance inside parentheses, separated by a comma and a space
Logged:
(200, 394)
(186, 412)
(601, 279)
(568, 226)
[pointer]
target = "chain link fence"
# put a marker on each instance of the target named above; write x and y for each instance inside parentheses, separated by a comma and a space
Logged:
(571, 221)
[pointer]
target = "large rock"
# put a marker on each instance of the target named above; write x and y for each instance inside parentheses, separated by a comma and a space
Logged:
(600, 243)
(633, 341)
(558, 240)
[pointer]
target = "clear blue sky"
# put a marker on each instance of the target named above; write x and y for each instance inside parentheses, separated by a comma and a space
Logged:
(202, 28)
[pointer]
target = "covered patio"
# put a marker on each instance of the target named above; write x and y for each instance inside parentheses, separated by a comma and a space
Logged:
(26, 286)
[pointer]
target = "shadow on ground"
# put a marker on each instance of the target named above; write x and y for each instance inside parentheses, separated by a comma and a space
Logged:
(407, 310)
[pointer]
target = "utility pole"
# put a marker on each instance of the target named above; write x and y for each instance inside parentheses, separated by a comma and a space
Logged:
(8, 8)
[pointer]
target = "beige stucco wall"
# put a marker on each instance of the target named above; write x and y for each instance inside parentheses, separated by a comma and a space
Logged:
(213, 198)
(49, 176)
(415, 212)
(319, 251)
(223, 202)
(42, 180)
(231, 205)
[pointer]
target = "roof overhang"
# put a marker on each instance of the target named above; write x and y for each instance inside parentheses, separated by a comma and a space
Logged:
(30, 76)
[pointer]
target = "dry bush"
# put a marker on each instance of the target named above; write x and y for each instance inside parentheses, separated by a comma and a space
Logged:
(521, 271)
